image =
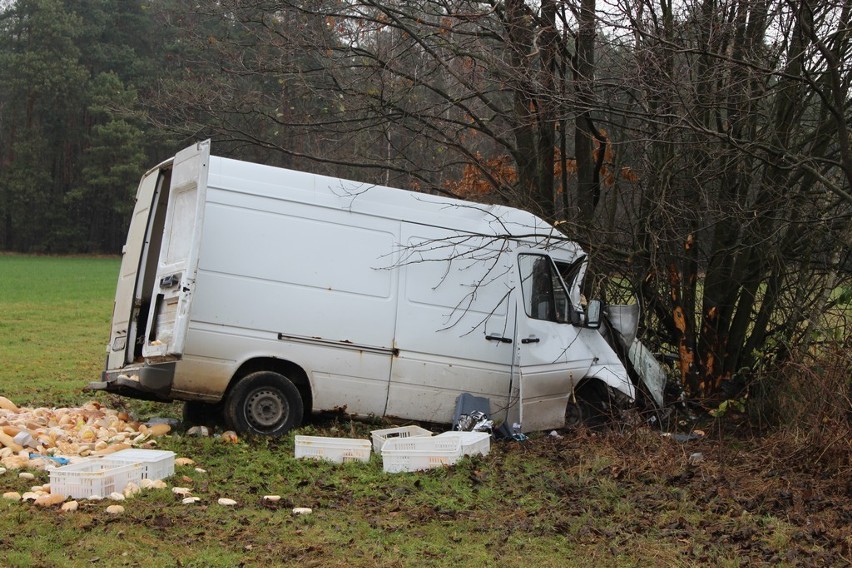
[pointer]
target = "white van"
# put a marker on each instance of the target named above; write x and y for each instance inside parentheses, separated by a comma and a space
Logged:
(267, 294)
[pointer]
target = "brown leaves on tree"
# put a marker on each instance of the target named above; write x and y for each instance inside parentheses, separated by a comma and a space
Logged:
(482, 177)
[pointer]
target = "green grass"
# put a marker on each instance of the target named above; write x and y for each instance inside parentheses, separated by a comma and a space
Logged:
(54, 325)
(611, 500)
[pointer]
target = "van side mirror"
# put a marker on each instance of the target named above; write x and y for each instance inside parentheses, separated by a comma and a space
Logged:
(593, 314)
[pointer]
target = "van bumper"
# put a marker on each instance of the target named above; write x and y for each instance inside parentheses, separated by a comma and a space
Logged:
(146, 382)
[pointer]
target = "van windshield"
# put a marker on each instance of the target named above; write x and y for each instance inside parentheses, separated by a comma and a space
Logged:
(570, 270)
(545, 297)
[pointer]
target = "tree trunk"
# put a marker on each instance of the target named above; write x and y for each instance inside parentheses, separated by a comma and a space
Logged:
(588, 192)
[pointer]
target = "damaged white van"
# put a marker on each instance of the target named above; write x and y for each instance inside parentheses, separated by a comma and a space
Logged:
(266, 294)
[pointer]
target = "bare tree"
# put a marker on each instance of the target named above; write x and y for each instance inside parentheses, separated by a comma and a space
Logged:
(742, 139)
(731, 117)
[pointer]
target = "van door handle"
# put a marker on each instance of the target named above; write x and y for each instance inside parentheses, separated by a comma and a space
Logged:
(499, 338)
(530, 340)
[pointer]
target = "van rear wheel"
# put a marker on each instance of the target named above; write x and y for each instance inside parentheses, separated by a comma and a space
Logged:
(264, 403)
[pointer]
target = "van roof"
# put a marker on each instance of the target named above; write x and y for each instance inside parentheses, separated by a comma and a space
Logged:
(387, 202)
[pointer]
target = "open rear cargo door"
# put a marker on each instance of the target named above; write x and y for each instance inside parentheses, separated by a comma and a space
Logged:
(178, 263)
(120, 348)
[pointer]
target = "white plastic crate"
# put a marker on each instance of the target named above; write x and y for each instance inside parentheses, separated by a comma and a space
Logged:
(472, 443)
(338, 450)
(156, 464)
(381, 436)
(419, 453)
(94, 476)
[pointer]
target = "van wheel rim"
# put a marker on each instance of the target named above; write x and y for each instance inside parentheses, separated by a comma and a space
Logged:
(573, 415)
(266, 409)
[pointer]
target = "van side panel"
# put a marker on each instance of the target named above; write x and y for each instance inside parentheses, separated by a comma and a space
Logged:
(455, 291)
(283, 258)
(268, 287)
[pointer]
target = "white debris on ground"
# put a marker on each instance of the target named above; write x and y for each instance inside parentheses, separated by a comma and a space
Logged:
(200, 431)
(38, 439)
(49, 500)
(152, 484)
(90, 430)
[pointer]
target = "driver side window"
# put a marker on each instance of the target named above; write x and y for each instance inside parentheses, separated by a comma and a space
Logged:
(543, 293)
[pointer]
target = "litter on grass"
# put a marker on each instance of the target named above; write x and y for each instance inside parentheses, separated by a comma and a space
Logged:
(41, 438)
(472, 413)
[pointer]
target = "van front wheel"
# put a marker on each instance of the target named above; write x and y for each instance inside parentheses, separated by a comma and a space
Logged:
(591, 406)
(264, 403)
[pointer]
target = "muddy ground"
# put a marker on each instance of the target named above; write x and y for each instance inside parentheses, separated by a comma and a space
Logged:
(769, 499)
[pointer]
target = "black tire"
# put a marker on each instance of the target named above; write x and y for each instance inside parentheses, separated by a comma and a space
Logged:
(196, 413)
(264, 403)
(591, 407)
(574, 415)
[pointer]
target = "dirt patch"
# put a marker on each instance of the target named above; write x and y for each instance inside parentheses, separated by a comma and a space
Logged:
(763, 498)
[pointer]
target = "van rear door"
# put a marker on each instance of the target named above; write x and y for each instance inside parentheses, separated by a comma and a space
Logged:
(174, 284)
(120, 348)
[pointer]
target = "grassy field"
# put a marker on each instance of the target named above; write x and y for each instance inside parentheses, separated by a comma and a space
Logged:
(54, 325)
(619, 499)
